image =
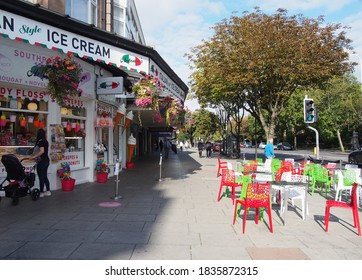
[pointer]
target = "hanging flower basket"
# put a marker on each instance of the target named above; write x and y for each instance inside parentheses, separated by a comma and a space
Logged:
(147, 91)
(164, 105)
(64, 75)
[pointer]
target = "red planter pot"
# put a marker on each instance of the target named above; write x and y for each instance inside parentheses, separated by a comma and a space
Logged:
(68, 185)
(102, 177)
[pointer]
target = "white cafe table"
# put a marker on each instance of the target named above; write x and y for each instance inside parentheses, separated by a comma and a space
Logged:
(286, 187)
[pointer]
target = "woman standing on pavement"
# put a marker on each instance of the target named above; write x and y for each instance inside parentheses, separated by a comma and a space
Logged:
(41, 153)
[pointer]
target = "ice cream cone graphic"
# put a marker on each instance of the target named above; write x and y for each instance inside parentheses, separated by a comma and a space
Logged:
(120, 114)
(131, 144)
(129, 118)
(130, 152)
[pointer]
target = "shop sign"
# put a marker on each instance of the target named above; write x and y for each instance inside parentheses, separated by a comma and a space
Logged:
(126, 95)
(75, 159)
(168, 84)
(109, 85)
(38, 33)
(23, 93)
(19, 66)
(102, 107)
(73, 102)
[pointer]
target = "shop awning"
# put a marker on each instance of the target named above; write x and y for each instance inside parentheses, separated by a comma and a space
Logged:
(35, 25)
(40, 34)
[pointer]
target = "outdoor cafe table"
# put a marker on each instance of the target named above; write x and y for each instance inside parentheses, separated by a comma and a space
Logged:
(285, 187)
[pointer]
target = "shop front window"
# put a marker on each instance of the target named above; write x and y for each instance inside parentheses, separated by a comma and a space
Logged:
(73, 122)
(19, 121)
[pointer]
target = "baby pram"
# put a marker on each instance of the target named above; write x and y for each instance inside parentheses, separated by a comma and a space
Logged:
(18, 183)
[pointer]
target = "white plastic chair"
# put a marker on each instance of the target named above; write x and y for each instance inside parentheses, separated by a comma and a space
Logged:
(266, 167)
(351, 166)
(295, 192)
(342, 185)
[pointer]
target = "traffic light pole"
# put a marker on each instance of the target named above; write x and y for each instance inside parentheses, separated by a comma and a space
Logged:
(316, 140)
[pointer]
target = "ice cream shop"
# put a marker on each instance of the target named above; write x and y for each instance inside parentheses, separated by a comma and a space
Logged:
(89, 112)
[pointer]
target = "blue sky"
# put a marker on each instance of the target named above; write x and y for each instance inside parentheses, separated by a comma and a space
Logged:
(172, 27)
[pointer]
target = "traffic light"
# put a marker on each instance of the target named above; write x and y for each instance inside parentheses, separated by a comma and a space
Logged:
(309, 111)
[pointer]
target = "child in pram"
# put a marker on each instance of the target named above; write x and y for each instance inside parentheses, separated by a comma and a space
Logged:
(18, 183)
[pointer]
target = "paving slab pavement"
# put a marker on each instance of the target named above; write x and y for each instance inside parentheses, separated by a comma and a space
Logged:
(175, 218)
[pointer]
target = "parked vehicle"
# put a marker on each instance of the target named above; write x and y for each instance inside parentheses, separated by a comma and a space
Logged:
(284, 146)
(247, 144)
(216, 147)
(355, 157)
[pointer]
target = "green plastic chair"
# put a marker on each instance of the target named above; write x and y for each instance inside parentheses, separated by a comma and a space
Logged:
(309, 171)
(321, 177)
(245, 180)
(276, 164)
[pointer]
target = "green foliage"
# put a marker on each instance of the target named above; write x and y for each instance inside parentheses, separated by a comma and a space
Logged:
(257, 61)
(339, 109)
(205, 127)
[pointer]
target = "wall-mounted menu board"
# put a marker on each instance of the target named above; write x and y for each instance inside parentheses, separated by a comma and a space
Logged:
(57, 142)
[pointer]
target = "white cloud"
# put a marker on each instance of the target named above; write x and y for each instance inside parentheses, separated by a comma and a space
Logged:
(355, 22)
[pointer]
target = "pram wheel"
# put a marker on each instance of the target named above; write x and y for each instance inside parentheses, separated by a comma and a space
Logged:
(15, 201)
(35, 194)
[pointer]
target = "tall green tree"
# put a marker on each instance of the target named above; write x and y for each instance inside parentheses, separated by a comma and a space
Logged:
(205, 127)
(339, 108)
(258, 60)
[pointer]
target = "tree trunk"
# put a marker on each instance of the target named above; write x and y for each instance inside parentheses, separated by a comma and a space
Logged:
(340, 140)
(269, 129)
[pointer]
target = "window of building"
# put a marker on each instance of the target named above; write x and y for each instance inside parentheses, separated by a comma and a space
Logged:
(118, 19)
(84, 10)
(73, 120)
(20, 119)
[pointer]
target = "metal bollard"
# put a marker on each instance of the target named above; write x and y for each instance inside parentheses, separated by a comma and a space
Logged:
(160, 164)
(116, 173)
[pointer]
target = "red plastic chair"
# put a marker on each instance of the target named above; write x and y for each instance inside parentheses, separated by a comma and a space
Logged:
(228, 180)
(257, 196)
(353, 205)
(221, 165)
(249, 168)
